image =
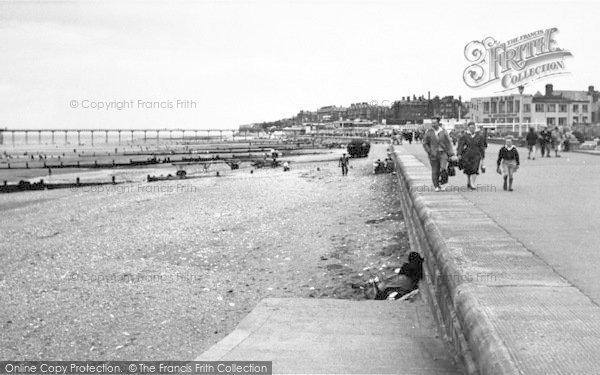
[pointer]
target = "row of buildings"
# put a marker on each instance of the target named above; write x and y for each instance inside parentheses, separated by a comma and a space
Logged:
(564, 108)
(552, 108)
(408, 110)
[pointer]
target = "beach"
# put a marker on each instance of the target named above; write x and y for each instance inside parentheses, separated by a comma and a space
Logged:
(166, 269)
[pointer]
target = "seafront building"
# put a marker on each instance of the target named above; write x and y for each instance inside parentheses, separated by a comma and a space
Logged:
(564, 108)
(415, 110)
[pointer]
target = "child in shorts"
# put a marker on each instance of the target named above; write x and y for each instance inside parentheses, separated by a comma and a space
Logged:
(508, 158)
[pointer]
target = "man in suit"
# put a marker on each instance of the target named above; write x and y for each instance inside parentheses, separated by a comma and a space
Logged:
(439, 148)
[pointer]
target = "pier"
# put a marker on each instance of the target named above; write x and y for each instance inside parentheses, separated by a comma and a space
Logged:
(36, 133)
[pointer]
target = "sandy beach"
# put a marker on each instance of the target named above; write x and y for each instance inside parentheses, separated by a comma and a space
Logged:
(164, 270)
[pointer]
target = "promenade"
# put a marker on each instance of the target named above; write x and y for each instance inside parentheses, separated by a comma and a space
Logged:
(508, 301)
(335, 336)
(553, 211)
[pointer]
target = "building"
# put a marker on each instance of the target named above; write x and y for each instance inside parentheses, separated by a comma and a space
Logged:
(448, 107)
(413, 111)
(554, 107)
(306, 116)
(505, 109)
(367, 111)
(416, 110)
(565, 108)
(330, 113)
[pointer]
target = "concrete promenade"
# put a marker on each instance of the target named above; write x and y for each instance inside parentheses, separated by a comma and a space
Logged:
(511, 272)
(554, 210)
(333, 336)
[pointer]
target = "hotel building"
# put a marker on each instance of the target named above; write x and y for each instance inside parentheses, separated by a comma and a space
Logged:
(554, 107)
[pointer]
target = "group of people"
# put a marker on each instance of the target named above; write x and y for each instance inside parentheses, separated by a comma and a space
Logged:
(407, 135)
(469, 156)
(386, 166)
(379, 166)
(545, 141)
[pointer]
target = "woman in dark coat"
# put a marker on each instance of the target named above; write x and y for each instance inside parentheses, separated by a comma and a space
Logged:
(471, 150)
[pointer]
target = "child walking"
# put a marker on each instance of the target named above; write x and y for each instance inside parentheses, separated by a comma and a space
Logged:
(508, 157)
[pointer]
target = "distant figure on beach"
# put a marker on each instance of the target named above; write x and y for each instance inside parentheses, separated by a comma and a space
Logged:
(439, 148)
(398, 285)
(413, 269)
(286, 166)
(344, 161)
(508, 158)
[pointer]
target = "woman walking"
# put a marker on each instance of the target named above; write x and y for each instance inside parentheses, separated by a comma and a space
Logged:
(508, 157)
(471, 150)
(532, 138)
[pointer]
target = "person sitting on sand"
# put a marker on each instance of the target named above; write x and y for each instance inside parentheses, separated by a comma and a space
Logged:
(413, 269)
(405, 282)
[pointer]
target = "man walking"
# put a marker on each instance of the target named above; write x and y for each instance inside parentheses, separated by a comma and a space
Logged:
(438, 146)
(344, 161)
(545, 141)
(531, 142)
(557, 139)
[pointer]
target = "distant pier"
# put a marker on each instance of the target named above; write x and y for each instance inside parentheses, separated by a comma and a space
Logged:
(8, 135)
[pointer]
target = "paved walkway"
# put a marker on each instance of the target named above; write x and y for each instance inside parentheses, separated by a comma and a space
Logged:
(337, 336)
(554, 210)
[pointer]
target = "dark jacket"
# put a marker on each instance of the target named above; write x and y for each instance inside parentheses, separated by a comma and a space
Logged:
(468, 142)
(545, 136)
(532, 138)
(433, 143)
(506, 154)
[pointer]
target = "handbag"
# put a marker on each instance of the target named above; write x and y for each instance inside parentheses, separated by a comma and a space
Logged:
(451, 170)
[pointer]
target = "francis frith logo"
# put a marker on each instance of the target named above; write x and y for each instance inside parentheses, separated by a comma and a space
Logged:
(516, 62)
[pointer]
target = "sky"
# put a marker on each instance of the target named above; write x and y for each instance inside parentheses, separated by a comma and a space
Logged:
(239, 62)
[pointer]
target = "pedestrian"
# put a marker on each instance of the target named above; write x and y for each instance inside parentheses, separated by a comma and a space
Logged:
(471, 150)
(438, 146)
(508, 158)
(531, 138)
(484, 132)
(567, 141)
(545, 139)
(557, 139)
(344, 161)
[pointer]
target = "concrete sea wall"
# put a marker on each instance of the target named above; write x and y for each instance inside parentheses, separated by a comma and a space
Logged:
(501, 308)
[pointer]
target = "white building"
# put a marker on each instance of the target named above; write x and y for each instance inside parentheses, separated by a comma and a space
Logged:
(555, 107)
